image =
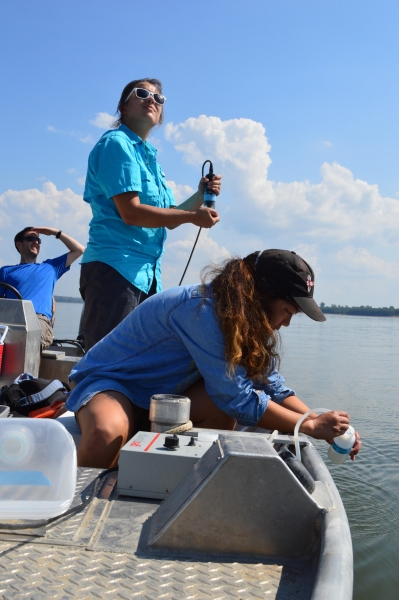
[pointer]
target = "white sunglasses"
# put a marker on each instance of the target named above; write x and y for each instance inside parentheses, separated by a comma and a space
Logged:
(143, 94)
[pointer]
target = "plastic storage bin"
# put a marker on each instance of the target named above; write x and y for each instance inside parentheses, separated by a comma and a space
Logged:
(37, 469)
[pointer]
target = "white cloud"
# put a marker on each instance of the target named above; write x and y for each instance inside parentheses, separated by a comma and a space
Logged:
(50, 206)
(361, 261)
(339, 208)
(70, 171)
(309, 252)
(232, 142)
(85, 139)
(177, 251)
(180, 191)
(320, 221)
(156, 141)
(328, 144)
(81, 180)
(103, 120)
(341, 225)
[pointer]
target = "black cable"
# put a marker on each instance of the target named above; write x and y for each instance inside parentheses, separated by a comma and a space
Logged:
(192, 252)
(81, 506)
(210, 176)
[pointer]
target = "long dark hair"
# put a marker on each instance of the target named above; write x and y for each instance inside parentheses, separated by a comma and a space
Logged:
(126, 91)
(241, 310)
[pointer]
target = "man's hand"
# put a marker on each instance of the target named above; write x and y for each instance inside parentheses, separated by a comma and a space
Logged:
(75, 248)
(46, 230)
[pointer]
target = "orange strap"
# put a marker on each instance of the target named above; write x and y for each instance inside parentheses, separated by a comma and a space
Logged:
(47, 412)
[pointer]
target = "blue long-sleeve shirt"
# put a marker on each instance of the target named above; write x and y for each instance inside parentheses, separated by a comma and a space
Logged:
(166, 344)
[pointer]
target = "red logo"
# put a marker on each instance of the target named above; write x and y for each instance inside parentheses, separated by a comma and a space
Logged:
(136, 443)
(310, 283)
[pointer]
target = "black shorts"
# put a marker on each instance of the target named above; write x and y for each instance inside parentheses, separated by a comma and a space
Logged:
(108, 298)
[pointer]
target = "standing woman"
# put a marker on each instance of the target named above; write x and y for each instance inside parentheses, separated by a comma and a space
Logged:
(131, 205)
(215, 343)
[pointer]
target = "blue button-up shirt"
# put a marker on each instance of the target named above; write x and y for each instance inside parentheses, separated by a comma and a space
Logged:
(166, 344)
(122, 162)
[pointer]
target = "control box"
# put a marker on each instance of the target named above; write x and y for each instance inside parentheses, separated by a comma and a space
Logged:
(151, 468)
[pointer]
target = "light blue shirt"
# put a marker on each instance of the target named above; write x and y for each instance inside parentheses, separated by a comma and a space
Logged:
(166, 344)
(122, 162)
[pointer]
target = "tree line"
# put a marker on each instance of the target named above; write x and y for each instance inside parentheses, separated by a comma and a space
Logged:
(68, 299)
(334, 309)
(363, 311)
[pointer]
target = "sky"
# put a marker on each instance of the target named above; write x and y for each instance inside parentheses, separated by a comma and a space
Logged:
(294, 101)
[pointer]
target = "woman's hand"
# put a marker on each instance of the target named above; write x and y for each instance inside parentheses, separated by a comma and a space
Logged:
(356, 446)
(205, 217)
(327, 426)
(213, 186)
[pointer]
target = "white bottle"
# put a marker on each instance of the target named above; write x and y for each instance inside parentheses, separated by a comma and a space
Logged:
(339, 450)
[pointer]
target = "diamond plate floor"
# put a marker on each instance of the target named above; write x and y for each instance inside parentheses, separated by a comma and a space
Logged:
(88, 556)
(38, 572)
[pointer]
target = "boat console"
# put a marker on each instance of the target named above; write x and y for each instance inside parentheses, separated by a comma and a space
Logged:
(21, 352)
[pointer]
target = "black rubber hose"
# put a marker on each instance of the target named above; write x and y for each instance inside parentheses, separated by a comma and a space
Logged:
(298, 469)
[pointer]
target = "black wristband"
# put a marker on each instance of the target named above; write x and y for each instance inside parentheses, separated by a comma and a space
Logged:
(57, 235)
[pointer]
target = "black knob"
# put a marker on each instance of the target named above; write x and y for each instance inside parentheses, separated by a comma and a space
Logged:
(192, 441)
(171, 442)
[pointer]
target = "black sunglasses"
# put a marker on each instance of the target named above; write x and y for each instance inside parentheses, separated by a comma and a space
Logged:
(32, 238)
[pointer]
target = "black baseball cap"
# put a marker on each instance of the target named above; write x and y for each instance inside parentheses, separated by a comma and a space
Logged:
(292, 276)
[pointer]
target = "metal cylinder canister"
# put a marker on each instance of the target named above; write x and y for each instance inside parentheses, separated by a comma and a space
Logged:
(168, 410)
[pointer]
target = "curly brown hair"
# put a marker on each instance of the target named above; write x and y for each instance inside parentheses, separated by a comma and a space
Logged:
(241, 304)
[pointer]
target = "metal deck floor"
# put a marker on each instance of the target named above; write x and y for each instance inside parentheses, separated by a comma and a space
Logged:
(93, 554)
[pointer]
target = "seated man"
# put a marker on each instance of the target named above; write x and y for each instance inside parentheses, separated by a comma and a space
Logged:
(36, 281)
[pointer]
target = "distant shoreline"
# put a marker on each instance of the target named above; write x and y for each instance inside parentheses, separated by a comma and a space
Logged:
(68, 299)
(360, 311)
(356, 311)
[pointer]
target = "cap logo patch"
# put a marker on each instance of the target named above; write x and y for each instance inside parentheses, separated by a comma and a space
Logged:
(310, 283)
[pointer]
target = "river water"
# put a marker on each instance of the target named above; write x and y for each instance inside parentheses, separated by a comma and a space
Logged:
(347, 363)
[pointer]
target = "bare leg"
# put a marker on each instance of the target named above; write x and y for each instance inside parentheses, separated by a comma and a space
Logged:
(204, 412)
(106, 423)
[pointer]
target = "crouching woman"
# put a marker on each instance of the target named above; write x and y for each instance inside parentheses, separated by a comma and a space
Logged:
(215, 343)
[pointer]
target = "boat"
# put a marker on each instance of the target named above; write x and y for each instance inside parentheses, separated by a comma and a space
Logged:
(238, 521)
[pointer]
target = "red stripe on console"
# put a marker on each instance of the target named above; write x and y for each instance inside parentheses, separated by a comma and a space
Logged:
(152, 441)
